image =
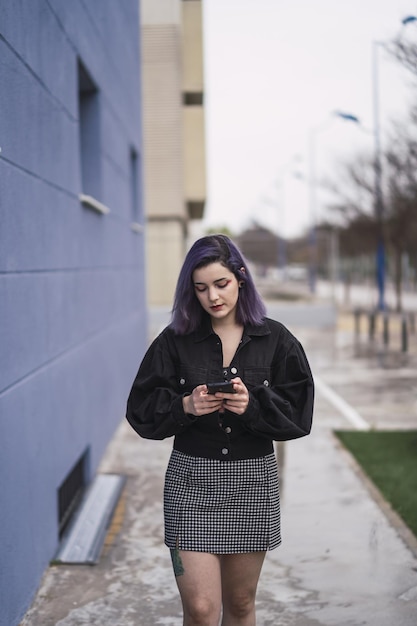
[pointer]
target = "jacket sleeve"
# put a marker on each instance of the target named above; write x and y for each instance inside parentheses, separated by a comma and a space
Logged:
(284, 409)
(154, 407)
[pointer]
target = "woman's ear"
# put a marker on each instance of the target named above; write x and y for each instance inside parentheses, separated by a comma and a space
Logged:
(241, 282)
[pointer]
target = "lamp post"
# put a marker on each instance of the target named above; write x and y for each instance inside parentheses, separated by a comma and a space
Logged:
(378, 196)
(281, 238)
(282, 243)
(312, 269)
(280, 202)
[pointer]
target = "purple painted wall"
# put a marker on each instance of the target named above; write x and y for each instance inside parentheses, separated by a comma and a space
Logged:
(72, 292)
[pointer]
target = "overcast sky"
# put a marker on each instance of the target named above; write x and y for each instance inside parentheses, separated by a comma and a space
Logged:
(274, 71)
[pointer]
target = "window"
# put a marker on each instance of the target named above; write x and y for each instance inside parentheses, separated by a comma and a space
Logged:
(136, 214)
(195, 210)
(134, 186)
(90, 143)
(192, 98)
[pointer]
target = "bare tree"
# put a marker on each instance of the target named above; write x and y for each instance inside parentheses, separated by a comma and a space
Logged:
(354, 216)
(401, 158)
(405, 52)
(356, 192)
(260, 246)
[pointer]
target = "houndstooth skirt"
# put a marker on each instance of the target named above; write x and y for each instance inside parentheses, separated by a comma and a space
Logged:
(221, 507)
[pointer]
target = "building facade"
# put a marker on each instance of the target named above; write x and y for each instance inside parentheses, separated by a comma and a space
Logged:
(72, 277)
(174, 135)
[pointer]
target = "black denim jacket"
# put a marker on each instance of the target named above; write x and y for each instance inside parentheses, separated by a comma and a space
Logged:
(270, 361)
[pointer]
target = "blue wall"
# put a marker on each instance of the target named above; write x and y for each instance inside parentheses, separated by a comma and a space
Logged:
(72, 294)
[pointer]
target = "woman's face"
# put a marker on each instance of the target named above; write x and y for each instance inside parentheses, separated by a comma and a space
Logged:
(217, 290)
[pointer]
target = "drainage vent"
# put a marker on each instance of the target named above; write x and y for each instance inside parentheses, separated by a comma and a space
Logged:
(70, 492)
(84, 538)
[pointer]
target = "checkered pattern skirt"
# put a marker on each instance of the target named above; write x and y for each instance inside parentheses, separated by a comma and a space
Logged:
(221, 507)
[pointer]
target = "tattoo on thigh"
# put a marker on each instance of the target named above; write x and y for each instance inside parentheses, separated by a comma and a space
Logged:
(177, 562)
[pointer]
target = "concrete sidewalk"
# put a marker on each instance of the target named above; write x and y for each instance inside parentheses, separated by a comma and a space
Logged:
(343, 562)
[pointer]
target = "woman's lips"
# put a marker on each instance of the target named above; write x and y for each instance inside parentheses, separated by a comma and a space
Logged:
(216, 307)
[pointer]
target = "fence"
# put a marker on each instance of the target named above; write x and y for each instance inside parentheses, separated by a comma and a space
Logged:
(394, 330)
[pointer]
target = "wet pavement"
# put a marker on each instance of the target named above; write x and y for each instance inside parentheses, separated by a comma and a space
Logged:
(344, 561)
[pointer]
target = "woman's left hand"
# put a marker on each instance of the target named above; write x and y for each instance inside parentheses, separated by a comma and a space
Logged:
(236, 402)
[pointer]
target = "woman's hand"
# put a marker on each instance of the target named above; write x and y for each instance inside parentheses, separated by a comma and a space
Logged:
(200, 402)
(235, 402)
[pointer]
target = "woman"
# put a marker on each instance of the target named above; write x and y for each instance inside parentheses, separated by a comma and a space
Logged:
(221, 500)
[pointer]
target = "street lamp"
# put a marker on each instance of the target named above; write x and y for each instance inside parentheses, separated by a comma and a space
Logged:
(408, 20)
(312, 270)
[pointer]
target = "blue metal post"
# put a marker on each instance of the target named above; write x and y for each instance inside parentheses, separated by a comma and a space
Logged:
(378, 199)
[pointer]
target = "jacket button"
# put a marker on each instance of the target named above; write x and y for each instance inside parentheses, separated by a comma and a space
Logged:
(182, 381)
(234, 370)
(228, 430)
(225, 451)
(266, 383)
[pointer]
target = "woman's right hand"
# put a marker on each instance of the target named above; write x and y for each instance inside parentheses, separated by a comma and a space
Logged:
(200, 402)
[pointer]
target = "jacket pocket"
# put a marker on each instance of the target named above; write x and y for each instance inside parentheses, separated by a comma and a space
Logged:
(189, 377)
(255, 376)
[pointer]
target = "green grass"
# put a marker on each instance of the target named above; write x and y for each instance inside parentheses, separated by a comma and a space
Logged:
(389, 458)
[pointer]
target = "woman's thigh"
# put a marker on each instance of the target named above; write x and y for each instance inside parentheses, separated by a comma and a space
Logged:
(240, 574)
(198, 577)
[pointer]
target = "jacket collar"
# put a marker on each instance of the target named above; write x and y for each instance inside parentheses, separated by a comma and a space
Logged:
(250, 330)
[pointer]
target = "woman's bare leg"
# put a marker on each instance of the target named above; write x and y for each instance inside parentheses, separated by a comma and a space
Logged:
(240, 574)
(198, 577)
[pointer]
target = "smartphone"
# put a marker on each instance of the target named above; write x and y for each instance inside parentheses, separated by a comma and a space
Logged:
(223, 387)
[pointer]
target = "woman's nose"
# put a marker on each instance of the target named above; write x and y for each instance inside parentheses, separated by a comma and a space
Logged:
(213, 295)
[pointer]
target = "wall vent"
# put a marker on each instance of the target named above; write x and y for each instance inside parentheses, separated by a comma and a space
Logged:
(83, 540)
(71, 491)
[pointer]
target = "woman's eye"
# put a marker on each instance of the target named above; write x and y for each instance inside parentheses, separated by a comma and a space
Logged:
(223, 284)
(200, 289)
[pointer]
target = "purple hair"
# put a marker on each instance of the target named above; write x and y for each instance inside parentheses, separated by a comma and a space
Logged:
(187, 312)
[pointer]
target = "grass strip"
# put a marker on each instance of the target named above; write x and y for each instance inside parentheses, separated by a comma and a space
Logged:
(389, 458)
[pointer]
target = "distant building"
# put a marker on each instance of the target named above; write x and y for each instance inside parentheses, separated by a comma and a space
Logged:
(72, 285)
(174, 135)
